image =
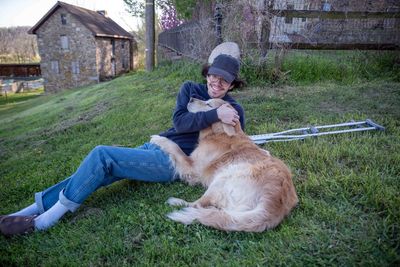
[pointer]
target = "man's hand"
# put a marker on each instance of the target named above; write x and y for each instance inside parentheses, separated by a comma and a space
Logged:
(228, 115)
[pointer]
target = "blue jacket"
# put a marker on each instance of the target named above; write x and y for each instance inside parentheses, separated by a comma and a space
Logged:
(185, 131)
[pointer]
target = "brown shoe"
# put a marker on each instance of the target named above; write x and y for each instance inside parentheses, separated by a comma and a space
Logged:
(16, 225)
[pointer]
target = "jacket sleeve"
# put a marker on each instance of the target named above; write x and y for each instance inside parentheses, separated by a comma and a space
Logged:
(185, 121)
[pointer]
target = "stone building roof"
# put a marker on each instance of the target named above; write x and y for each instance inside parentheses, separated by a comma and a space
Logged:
(100, 25)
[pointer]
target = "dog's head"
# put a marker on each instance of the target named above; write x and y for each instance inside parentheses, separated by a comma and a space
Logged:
(197, 105)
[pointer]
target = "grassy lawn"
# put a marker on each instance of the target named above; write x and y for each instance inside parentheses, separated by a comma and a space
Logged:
(11, 100)
(348, 184)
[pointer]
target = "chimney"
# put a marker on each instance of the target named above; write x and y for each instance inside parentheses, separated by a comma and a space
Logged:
(102, 12)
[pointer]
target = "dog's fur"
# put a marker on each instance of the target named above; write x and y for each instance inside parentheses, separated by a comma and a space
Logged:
(247, 189)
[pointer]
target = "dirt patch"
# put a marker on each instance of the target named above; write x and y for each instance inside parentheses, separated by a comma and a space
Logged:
(134, 241)
(85, 117)
(333, 108)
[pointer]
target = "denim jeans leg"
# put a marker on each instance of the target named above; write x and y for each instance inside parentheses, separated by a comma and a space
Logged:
(107, 164)
(47, 198)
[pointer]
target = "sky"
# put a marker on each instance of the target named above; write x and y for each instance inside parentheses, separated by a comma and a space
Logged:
(29, 12)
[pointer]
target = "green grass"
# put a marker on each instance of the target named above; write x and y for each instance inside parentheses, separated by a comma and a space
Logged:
(302, 67)
(10, 100)
(348, 184)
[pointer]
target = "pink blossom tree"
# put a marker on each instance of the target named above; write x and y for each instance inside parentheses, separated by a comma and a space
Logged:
(169, 18)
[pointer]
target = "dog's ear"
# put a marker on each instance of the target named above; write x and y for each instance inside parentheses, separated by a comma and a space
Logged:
(221, 127)
(232, 130)
(229, 129)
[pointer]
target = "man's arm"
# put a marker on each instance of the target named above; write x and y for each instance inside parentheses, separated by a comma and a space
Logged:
(185, 121)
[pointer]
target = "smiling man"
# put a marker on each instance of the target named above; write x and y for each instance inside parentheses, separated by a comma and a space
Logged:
(222, 76)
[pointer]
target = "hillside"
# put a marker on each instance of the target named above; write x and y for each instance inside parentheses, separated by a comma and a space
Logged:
(17, 46)
(348, 184)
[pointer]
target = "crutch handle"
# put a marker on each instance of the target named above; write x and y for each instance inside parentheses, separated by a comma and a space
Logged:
(375, 125)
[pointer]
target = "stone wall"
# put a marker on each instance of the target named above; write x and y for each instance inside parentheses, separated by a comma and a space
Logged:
(76, 63)
(112, 62)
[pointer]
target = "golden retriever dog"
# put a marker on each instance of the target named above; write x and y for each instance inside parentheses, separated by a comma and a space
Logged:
(247, 189)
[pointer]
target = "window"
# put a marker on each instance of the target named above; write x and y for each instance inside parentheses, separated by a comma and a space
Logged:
(326, 6)
(75, 67)
(64, 42)
(113, 47)
(122, 44)
(54, 66)
(63, 19)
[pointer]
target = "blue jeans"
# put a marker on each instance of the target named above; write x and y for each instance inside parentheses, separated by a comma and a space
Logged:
(103, 166)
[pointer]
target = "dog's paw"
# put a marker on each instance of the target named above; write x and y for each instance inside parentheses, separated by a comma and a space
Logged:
(185, 216)
(173, 201)
(266, 152)
(158, 140)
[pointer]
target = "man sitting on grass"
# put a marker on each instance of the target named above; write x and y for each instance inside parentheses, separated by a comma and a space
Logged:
(107, 164)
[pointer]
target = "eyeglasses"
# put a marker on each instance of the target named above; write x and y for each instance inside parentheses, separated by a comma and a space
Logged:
(218, 79)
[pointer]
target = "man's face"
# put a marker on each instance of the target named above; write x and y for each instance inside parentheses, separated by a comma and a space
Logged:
(217, 86)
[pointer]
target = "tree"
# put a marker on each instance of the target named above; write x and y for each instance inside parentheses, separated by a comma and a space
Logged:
(172, 14)
(17, 46)
(137, 7)
(169, 16)
(146, 9)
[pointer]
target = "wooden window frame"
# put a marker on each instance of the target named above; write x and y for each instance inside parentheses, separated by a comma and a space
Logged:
(75, 69)
(64, 19)
(64, 42)
(55, 66)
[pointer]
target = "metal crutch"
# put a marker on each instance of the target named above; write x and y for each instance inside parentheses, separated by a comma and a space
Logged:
(301, 133)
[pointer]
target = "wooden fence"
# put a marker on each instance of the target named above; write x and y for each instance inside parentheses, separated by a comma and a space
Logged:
(301, 29)
(185, 39)
(312, 29)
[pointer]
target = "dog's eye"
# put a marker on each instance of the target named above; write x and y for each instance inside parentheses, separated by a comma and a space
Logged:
(208, 104)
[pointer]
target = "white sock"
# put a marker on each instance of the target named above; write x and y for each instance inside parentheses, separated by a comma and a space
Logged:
(50, 217)
(30, 210)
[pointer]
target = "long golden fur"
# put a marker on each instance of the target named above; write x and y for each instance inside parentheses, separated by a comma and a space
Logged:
(247, 189)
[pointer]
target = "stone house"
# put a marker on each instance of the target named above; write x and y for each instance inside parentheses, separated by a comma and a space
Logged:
(78, 47)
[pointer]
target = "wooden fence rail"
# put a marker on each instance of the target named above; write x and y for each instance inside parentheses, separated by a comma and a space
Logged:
(334, 14)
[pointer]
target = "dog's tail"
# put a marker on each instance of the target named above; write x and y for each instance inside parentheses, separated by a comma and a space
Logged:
(255, 220)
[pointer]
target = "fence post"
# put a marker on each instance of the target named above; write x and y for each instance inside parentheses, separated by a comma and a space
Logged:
(265, 30)
(218, 22)
(150, 32)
